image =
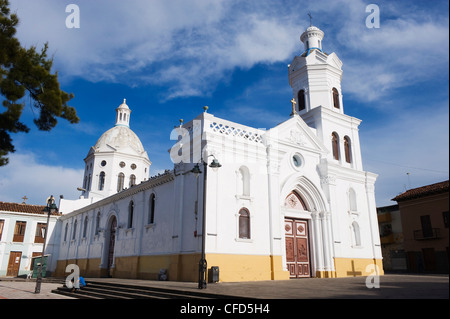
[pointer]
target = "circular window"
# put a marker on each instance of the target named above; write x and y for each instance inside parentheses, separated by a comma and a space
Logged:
(103, 163)
(122, 164)
(297, 161)
(133, 166)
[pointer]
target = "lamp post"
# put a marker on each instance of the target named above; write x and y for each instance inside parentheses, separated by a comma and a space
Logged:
(203, 265)
(51, 207)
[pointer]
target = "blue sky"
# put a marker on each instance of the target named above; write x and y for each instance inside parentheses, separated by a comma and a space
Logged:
(169, 58)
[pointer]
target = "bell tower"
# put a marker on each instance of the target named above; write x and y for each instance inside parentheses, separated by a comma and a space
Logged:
(315, 76)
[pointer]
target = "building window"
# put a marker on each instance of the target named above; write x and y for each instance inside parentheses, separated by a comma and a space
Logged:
(89, 182)
(244, 181)
(74, 229)
(352, 200)
(130, 214)
(347, 149)
(40, 233)
(101, 181)
(2, 223)
(120, 182)
(336, 98)
(66, 230)
(19, 231)
(244, 224)
(151, 212)
(356, 234)
(335, 145)
(97, 223)
(85, 226)
(444, 216)
(132, 180)
(427, 230)
(301, 100)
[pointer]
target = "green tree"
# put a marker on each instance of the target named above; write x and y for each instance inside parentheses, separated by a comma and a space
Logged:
(27, 72)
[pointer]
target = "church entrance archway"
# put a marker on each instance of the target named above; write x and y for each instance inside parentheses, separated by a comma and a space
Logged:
(111, 243)
(298, 260)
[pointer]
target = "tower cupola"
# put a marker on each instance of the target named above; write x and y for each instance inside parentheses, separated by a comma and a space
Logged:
(312, 39)
(123, 115)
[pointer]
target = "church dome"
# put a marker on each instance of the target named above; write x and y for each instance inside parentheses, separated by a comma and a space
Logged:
(119, 138)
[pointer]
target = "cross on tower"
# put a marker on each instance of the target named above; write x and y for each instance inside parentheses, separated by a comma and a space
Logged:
(310, 19)
(293, 106)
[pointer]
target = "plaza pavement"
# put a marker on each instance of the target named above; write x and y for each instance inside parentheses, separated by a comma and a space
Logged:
(400, 286)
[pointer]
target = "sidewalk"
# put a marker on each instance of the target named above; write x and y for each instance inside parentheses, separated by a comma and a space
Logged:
(25, 290)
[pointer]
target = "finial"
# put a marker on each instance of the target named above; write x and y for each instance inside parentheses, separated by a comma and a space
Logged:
(293, 106)
(205, 108)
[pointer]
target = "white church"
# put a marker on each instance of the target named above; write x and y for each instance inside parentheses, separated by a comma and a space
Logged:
(288, 202)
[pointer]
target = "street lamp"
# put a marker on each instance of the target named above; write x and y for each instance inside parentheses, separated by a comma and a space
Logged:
(203, 265)
(50, 208)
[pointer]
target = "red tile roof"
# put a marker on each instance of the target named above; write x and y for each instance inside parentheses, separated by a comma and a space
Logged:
(24, 208)
(427, 190)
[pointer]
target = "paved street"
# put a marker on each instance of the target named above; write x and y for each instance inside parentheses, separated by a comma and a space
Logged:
(390, 287)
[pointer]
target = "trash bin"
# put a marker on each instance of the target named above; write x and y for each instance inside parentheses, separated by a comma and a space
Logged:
(214, 274)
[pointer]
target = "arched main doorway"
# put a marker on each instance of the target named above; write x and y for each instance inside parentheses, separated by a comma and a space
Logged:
(298, 257)
(111, 240)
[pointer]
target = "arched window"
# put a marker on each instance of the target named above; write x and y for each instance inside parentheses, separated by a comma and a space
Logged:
(97, 223)
(336, 98)
(74, 229)
(301, 100)
(130, 214)
(120, 182)
(356, 234)
(244, 224)
(151, 211)
(89, 182)
(85, 226)
(335, 145)
(66, 231)
(244, 181)
(101, 181)
(295, 201)
(352, 200)
(347, 149)
(132, 180)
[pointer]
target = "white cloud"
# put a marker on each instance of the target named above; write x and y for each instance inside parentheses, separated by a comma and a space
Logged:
(190, 46)
(24, 175)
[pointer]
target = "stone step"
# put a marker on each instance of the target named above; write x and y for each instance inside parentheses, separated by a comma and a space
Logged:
(109, 290)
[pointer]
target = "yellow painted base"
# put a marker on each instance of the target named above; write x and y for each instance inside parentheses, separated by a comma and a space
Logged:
(183, 267)
(232, 267)
(353, 267)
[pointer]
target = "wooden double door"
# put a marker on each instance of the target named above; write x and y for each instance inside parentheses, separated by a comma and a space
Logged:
(297, 248)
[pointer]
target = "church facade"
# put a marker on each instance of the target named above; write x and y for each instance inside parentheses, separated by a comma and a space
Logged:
(288, 202)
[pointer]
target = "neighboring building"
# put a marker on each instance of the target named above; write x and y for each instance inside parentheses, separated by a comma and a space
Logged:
(391, 237)
(424, 215)
(22, 229)
(292, 201)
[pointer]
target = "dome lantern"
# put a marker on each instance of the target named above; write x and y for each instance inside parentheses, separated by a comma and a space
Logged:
(123, 115)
